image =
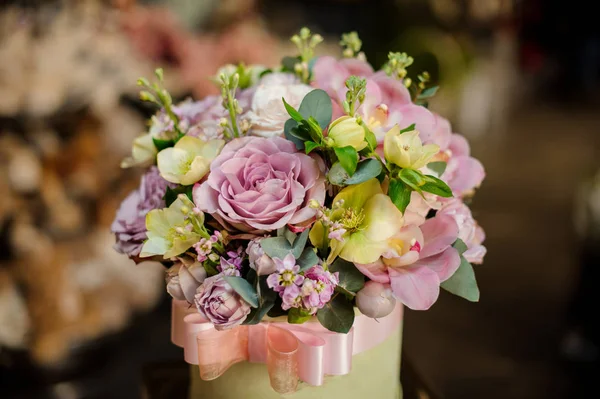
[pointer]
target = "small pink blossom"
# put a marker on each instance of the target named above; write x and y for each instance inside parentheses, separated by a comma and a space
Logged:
(287, 274)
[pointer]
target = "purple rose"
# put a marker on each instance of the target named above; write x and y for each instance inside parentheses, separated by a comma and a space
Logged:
(184, 278)
(129, 225)
(220, 304)
(259, 184)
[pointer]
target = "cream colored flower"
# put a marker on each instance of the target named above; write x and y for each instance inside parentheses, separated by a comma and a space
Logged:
(346, 131)
(142, 153)
(406, 149)
(189, 160)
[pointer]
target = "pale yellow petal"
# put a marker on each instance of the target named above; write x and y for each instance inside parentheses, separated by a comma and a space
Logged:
(357, 195)
(142, 153)
(359, 249)
(191, 145)
(382, 218)
(154, 246)
(198, 169)
(212, 148)
(173, 163)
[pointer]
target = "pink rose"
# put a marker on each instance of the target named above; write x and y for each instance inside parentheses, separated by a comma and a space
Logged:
(468, 230)
(463, 172)
(220, 304)
(258, 184)
(259, 260)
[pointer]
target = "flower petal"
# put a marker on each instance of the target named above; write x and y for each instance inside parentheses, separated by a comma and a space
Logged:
(416, 287)
(439, 233)
(444, 264)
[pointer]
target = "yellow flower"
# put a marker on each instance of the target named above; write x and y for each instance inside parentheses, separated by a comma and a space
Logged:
(369, 218)
(189, 160)
(142, 153)
(172, 230)
(406, 149)
(346, 131)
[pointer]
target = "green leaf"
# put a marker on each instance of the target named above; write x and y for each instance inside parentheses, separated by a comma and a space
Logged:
(437, 167)
(337, 315)
(351, 279)
(289, 127)
(348, 158)
(298, 316)
(370, 138)
(276, 247)
(288, 63)
(399, 193)
(266, 302)
(337, 175)
(366, 170)
(311, 145)
(428, 92)
(244, 289)
(460, 246)
(317, 104)
(436, 186)
(299, 243)
(292, 111)
(308, 259)
(463, 283)
(162, 144)
(172, 193)
(265, 72)
(285, 232)
(408, 129)
(211, 269)
(412, 178)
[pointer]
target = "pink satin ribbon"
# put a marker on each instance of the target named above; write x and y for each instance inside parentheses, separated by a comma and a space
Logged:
(304, 352)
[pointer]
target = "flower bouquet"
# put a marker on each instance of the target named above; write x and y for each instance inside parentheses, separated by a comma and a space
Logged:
(296, 213)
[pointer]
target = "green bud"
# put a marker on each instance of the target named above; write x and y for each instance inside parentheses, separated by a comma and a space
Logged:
(143, 82)
(304, 33)
(159, 74)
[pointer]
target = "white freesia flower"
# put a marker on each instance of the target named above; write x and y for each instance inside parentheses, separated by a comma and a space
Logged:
(189, 160)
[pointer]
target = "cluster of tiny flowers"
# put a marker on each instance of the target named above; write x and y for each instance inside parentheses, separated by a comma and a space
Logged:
(231, 265)
(204, 247)
(336, 229)
(309, 291)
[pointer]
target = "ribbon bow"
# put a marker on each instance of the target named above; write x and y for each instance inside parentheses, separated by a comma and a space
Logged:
(291, 352)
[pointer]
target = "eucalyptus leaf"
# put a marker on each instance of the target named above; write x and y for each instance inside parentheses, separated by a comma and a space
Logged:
(463, 283)
(285, 232)
(366, 170)
(337, 175)
(437, 167)
(348, 158)
(428, 93)
(276, 247)
(308, 259)
(399, 193)
(266, 301)
(289, 63)
(317, 104)
(460, 246)
(337, 315)
(351, 279)
(244, 289)
(172, 193)
(300, 243)
(289, 126)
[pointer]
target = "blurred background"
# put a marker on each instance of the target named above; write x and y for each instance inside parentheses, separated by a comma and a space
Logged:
(519, 78)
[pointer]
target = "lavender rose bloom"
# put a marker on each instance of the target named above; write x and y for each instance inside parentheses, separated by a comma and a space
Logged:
(129, 225)
(220, 304)
(184, 278)
(257, 185)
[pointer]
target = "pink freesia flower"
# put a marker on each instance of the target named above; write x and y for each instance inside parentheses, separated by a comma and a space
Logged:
(463, 172)
(259, 184)
(469, 231)
(421, 259)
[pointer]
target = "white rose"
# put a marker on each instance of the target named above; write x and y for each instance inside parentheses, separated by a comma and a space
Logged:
(267, 115)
